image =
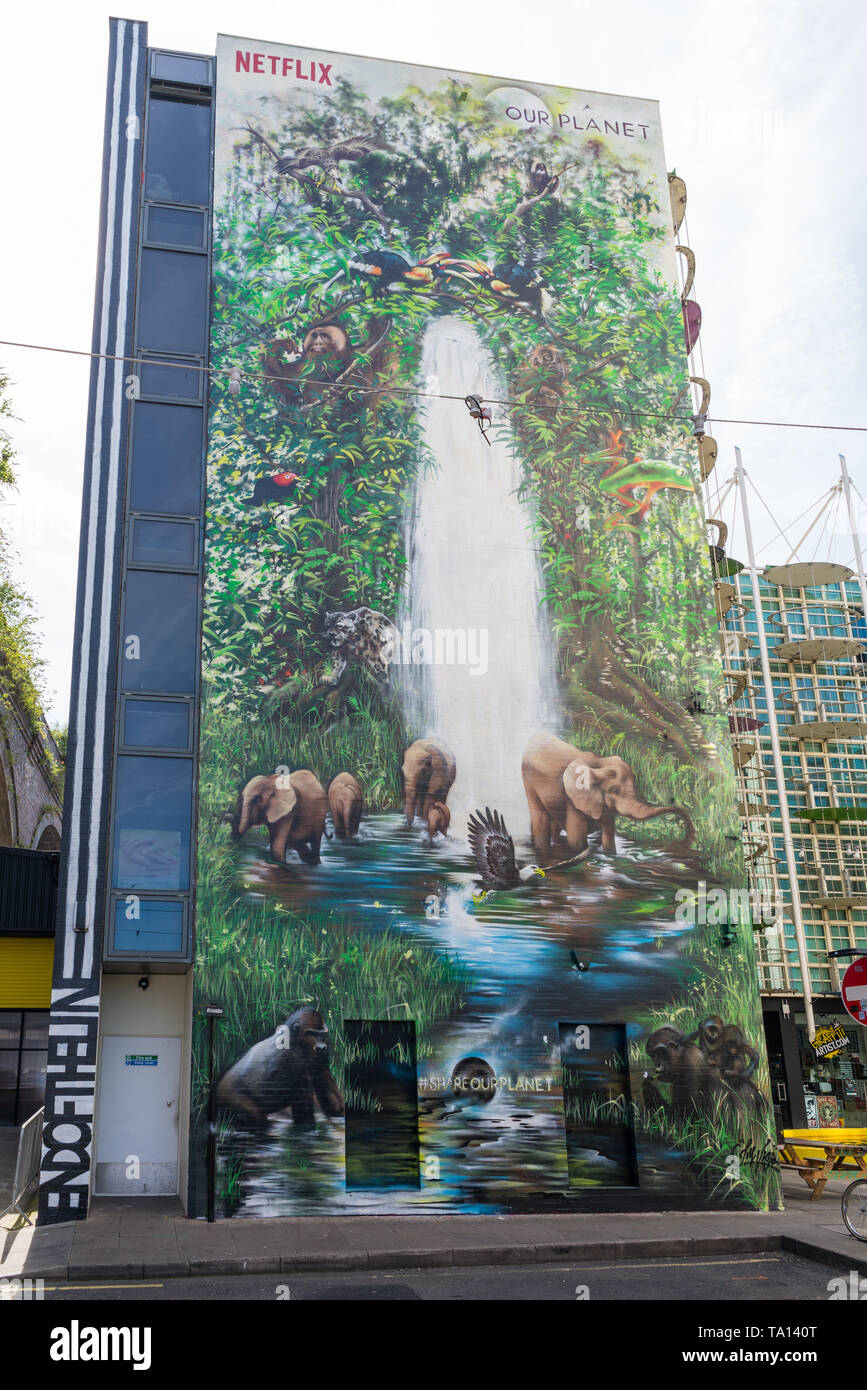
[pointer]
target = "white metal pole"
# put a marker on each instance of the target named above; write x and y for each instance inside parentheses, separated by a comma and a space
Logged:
(856, 541)
(773, 728)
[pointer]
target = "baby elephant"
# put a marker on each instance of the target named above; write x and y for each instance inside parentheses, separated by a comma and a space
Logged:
(438, 820)
(345, 803)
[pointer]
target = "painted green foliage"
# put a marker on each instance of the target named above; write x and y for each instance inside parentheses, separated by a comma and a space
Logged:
(594, 369)
(445, 182)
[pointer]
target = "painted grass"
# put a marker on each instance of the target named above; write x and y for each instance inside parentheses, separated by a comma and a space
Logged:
(261, 962)
(725, 986)
(369, 743)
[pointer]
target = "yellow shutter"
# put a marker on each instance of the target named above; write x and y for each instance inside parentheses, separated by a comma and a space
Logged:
(25, 972)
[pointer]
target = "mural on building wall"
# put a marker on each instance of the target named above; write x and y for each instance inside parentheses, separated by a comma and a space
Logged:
(465, 751)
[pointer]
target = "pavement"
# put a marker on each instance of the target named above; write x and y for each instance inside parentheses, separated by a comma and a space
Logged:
(142, 1238)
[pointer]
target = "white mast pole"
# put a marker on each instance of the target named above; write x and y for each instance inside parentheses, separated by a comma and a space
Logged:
(773, 728)
(856, 542)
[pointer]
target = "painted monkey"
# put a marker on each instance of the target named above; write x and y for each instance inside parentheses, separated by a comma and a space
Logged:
(544, 376)
(679, 1063)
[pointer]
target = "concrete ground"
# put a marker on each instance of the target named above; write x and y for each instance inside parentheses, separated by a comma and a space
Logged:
(149, 1238)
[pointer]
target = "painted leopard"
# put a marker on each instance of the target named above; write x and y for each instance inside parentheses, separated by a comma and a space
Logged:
(361, 635)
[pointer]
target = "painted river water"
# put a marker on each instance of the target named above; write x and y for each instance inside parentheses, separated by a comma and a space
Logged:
(615, 913)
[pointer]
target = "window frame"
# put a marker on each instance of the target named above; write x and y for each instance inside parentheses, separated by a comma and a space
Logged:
(118, 895)
(169, 519)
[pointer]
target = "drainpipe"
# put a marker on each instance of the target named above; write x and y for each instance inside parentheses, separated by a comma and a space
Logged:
(791, 866)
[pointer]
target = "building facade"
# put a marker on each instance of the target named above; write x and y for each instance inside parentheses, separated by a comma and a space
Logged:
(30, 829)
(813, 625)
(381, 802)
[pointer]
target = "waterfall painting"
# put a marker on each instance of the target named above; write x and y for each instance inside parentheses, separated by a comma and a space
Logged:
(467, 808)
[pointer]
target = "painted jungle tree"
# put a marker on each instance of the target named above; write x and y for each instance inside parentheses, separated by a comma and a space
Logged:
(606, 462)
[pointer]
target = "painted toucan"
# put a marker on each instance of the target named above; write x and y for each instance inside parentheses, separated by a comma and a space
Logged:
(513, 282)
(277, 488)
(381, 269)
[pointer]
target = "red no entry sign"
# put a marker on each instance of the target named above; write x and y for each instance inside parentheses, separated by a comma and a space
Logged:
(854, 990)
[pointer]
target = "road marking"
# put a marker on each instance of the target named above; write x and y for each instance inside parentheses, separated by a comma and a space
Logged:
(687, 1264)
(60, 1288)
(555, 1269)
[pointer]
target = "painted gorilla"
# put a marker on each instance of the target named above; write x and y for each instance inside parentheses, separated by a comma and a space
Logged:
(362, 636)
(695, 1084)
(285, 1071)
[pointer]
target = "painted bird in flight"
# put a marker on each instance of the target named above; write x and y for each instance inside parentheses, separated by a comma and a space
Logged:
(328, 158)
(494, 850)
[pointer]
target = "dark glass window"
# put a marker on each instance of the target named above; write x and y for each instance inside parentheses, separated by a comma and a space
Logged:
(167, 459)
(23, 1055)
(171, 67)
(158, 927)
(159, 651)
(178, 152)
(381, 1129)
(10, 1027)
(153, 814)
(173, 311)
(9, 1062)
(600, 1142)
(170, 543)
(35, 1028)
(175, 226)
(160, 376)
(156, 724)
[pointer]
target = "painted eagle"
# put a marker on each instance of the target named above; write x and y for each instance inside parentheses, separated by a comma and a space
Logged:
(494, 850)
(355, 147)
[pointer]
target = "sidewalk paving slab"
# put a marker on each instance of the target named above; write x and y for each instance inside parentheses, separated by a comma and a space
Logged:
(148, 1238)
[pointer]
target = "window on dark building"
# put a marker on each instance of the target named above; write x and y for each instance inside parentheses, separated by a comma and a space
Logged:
(156, 724)
(168, 543)
(173, 306)
(149, 925)
(159, 651)
(23, 1056)
(178, 156)
(153, 814)
(176, 226)
(166, 473)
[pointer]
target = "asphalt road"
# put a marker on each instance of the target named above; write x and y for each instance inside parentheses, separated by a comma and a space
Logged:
(742, 1278)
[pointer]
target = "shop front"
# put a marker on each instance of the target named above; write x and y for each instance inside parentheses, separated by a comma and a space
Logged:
(833, 1068)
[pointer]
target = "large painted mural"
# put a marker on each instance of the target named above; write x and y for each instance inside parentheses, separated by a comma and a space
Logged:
(468, 857)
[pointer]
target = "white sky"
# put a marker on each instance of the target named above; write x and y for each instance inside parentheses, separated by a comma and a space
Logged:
(762, 114)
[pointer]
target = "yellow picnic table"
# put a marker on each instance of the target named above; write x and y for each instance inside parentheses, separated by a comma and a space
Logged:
(817, 1153)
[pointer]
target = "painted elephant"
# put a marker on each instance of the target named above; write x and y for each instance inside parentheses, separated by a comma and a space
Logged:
(428, 773)
(569, 789)
(345, 802)
(438, 821)
(293, 807)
